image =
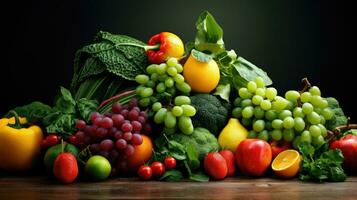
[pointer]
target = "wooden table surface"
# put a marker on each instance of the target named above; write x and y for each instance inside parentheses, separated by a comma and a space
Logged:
(38, 187)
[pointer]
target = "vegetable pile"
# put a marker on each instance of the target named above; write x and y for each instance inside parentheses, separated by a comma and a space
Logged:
(168, 111)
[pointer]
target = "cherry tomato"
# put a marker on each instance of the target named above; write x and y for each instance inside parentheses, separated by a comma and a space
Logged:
(170, 162)
(158, 168)
(73, 140)
(52, 140)
(44, 143)
(145, 172)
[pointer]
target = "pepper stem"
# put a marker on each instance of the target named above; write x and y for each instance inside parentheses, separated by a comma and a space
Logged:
(17, 124)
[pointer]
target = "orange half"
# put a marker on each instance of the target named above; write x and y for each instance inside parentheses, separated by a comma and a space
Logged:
(287, 163)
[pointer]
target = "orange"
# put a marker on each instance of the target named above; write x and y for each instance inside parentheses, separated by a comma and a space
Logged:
(203, 77)
(141, 155)
(287, 163)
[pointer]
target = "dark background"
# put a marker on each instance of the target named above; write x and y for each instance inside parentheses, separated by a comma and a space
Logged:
(288, 39)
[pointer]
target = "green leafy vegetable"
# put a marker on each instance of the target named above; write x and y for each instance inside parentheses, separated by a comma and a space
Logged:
(86, 107)
(339, 117)
(321, 164)
(171, 176)
(34, 112)
(202, 57)
(199, 177)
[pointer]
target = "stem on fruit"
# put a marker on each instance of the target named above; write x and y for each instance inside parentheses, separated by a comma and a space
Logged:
(105, 102)
(305, 84)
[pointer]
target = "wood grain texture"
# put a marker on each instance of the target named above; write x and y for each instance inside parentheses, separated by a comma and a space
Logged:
(30, 188)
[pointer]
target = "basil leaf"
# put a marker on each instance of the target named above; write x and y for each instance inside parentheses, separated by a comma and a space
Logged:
(66, 103)
(199, 177)
(199, 56)
(171, 175)
(223, 91)
(64, 124)
(209, 36)
(86, 107)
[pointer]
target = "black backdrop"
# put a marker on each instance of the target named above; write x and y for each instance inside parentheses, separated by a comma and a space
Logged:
(288, 39)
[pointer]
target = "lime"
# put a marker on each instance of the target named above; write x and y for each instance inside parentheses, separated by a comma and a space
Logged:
(98, 168)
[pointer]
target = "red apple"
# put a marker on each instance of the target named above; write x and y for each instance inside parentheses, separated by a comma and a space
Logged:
(348, 146)
(253, 157)
(279, 146)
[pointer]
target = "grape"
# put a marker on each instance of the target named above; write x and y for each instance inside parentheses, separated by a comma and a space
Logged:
(169, 82)
(265, 105)
(179, 79)
(322, 120)
(290, 105)
(136, 139)
(171, 91)
(136, 126)
(133, 114)
(305, 97)
(296, 142)
(279, 103)
(258, 125)
(104, 154)
(170, 120)
(305, 136)
(129, 150)
(260, 92)
(160, 116)
(94, 148)
(101, 132)
(307, 108)
(98, 121)
(260, 82)
(263, 135)
(160, 88)
(271, 93)
(327, 113)
(146, 92)
(177, 111)
(248, 112)
(270, 115)
(106, 122)
(143, 114)
(179, 68)
(80, 136)
(316, 100)
(258, 113)
(127, 136)
(154, 77)
(172, 71)
(106, 145)
(297, 112)
(118, 120)
(276, 135)
(315, 131)
(188, 110)
(257, 99)
(237, 112)
(323, 104)
(318, 140)
(113, 155)
(126, 127)
(142, 79)
(299, 124)
(185, 125)
(277, 124)
(246, 121)
(182, 100)
(244, 93)
(138, 90)
(237, 102)
(318, 110)
(161, 69)
(314, 90)
(323, 130)
(171, 62)
(151, 69)
(156, 106)
(313, 118)
(80, 124)
(184, 87)
(251, 86)
(288, 135)
(246, 102)
(252, 134)
(292, 95)
(288, 122)
(284, 114)
(118, 135)
(112, 131)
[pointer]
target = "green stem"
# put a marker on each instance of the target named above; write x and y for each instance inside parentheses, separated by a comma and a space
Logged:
(145, 47)
(17, 124)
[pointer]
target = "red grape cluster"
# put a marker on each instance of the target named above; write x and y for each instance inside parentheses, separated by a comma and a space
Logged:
(114, 134)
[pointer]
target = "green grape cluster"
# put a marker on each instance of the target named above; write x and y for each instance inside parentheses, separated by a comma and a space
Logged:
(296, 117)
(163, 87)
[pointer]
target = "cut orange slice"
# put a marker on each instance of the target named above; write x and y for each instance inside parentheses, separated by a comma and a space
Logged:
(286, 164)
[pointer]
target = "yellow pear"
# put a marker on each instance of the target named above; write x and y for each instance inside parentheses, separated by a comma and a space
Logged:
(232, 134)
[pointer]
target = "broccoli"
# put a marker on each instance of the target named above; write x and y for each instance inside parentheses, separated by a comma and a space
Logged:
(339, 117)
(212, 113)
(201, 138)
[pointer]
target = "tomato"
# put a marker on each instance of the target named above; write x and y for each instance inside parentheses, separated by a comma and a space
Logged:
(215, 166)
(229, 157)
(145, 172)
(170, 162)
(253, 157)
(158, 168)
(52, 140)
(65, 168)
(98, 168)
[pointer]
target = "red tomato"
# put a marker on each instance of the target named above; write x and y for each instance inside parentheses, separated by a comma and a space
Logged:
(52, 140)
(215, 166)
(278, 147)
(229, 157)
(73, 140)
(65, 168)
(348, 146)
(170, 162)
(158, 169)
(253, 157)
(145, 172)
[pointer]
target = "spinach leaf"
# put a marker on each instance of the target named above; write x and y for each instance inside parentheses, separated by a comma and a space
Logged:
(192, 157)
(172, 176)
(199, 177)
(34, 112)
(63, 125)
(201, 57)
(86, 107)
(65, 103)
(209, 36)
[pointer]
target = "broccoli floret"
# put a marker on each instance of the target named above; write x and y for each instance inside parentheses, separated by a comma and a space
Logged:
(212, 113)
(339, 117)
(201, 138)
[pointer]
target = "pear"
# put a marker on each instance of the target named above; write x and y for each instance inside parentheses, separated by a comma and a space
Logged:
(232, 134)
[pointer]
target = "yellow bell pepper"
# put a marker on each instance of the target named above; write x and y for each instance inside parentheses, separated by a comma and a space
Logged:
(19, 147)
